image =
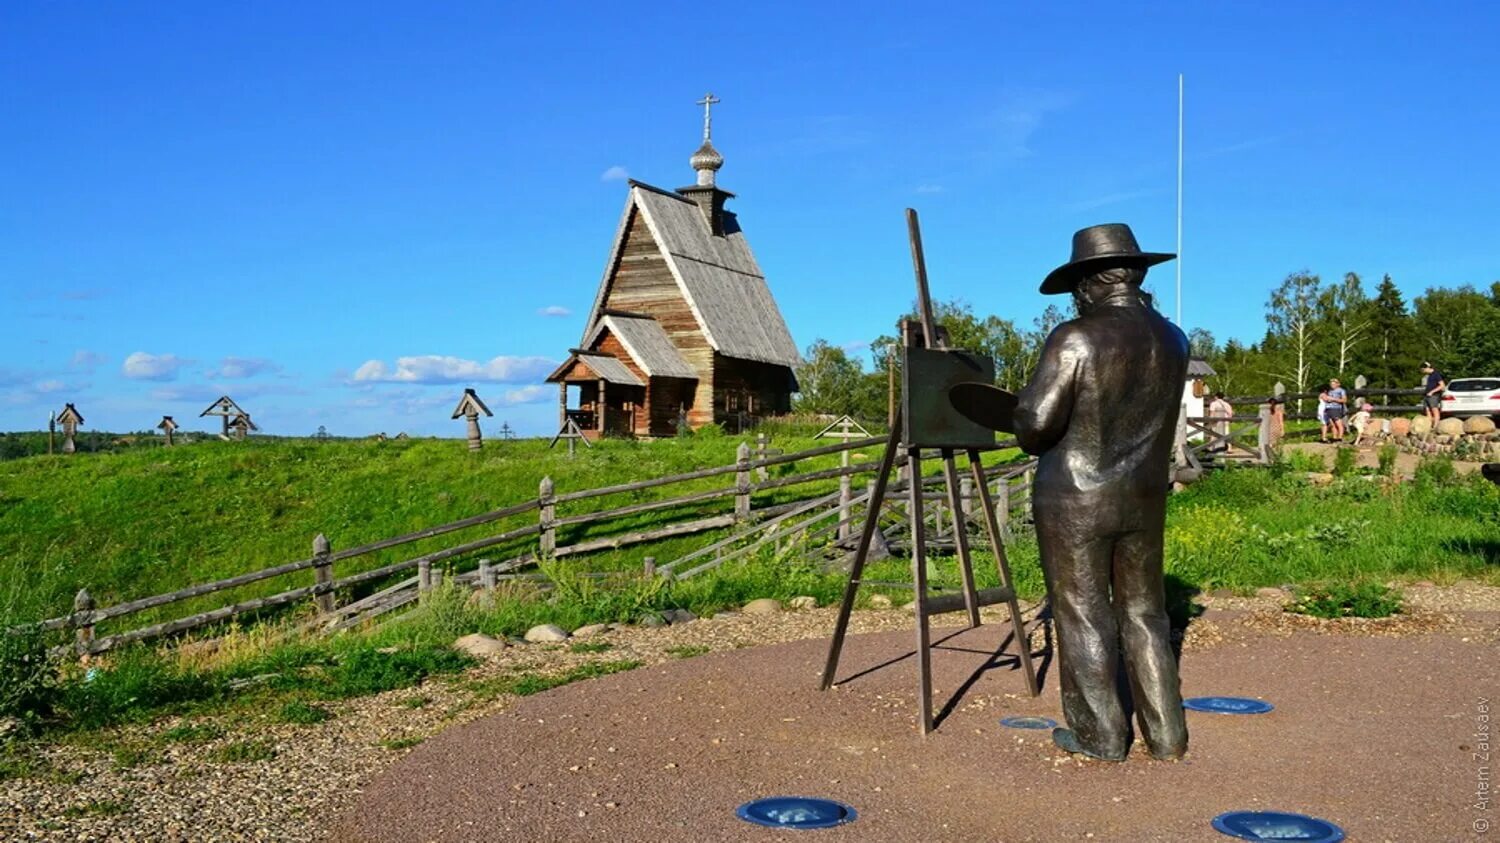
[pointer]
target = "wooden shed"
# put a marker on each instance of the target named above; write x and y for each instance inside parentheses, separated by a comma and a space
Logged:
(683, 325)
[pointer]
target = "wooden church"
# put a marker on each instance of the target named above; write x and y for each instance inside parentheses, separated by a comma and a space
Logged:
(683, 329)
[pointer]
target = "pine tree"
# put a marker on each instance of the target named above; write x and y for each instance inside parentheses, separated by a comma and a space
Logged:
(1391, 358)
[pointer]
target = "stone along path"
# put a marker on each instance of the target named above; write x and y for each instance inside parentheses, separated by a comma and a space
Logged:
(1374, 732)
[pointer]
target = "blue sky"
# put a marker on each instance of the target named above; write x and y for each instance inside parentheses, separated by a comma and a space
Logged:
(261, 199)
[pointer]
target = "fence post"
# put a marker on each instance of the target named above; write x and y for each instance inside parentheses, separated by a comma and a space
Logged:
(487, 579)
(322, 574)
(1027, 481)
(870, 495)
(1263, 438)
(83, 619)
(437, 577)
(1179, 444)
(742, 483)
(846, 494)
(424, 578)
(548, 509)
(762, 442)
(1002, 506)
(965, 493)
(650, 567)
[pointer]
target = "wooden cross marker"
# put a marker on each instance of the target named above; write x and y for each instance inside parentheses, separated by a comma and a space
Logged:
(469, 406)
(571, 432)
(71, 420)
(166, 427)
(227, 410)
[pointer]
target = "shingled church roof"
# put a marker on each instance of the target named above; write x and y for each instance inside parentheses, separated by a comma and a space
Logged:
(646, 342)
(718, 276)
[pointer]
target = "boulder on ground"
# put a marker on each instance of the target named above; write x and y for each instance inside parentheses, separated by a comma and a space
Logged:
(763, 606)
(479, 645)
(1320, 478)
(591, 630)
(547, 632)
(1271, 593)
(678, 616)
(1420, 425)
(1479, 424)
(802, 602)
(653, 620)
(1399, 426)
(880, 601)
(1451, 426)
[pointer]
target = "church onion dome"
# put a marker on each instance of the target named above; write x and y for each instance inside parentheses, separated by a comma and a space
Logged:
(707, 158)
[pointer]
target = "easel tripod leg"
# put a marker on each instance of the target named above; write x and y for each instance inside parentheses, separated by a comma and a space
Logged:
(861, 553)
(919, 584)
(961, 538)
(992, 527)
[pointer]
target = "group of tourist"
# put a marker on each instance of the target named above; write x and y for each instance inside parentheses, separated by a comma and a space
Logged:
(1333, 406)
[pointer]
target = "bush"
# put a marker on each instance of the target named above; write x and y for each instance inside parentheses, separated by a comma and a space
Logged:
(1435, 470)
(1305, 461)
(28, 678)
(1344, 464)
(1345, 600)
(1387, 457)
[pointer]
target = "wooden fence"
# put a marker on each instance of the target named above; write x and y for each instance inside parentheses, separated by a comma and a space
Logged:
(759, 508)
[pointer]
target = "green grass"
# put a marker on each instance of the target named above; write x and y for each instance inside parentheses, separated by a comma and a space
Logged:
(687, 651)
(99, 808)
(396, 744)
(303, 713)
(590, 647)
(241, 752)
(228, 508)
(150, 520)
(1348, 600)
(526, 684)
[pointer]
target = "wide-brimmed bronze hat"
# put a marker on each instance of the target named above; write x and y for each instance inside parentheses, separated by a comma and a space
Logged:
(1097, 248)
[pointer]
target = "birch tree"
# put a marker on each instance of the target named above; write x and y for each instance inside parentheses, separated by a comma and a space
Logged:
(1292, 317)
(1344, 309)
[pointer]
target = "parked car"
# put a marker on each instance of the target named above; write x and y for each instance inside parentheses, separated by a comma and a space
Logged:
(1472, 397)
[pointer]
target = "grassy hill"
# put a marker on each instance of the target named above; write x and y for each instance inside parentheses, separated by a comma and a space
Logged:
(146, 520)
(143, 521)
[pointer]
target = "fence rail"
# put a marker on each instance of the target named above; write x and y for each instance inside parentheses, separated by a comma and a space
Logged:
(753, 523)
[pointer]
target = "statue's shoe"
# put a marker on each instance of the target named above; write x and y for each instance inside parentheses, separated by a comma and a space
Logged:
(1068, 742)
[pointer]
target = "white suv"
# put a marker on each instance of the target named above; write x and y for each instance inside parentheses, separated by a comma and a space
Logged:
(1472, 397)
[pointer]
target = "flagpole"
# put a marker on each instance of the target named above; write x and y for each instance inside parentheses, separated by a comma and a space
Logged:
(1179, 200)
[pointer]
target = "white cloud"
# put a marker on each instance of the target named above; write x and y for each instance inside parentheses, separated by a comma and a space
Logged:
(50, 386)
(433, 368)
(1010, 127)
(141, 366)
(529, 395)
(234, 368)
(856, 345)
(554, 310)
(615, 173)
(85, 359)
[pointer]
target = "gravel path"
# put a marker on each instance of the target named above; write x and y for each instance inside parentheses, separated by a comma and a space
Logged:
(171, 780)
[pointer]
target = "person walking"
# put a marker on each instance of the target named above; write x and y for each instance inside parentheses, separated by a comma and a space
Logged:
(1432, 400)
(1100, 412)
(1220, 408)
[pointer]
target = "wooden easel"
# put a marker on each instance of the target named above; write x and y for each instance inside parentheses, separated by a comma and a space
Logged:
(970, 599)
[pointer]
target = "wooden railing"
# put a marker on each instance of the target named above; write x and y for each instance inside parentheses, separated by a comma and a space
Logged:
(761, 509)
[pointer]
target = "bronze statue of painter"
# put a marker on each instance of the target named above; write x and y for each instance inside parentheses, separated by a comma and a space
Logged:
(1100, 412)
